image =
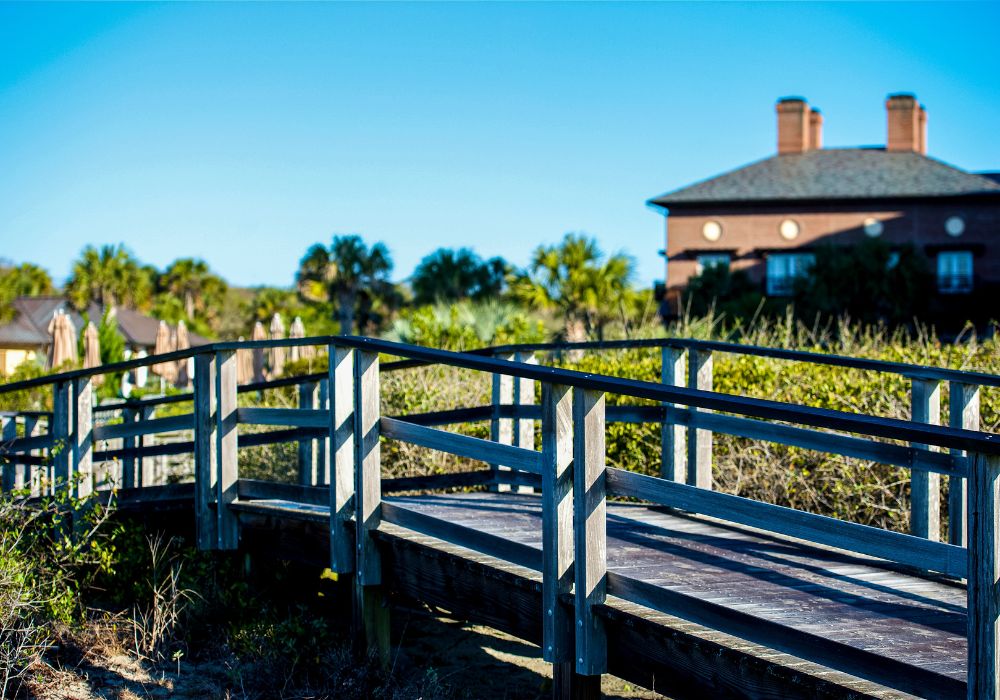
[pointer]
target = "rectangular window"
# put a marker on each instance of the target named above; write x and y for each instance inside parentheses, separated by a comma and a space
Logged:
(954, 271)
(783, 269)
(712, 260)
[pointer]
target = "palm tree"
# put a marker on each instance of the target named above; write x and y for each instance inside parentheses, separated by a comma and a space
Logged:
(573, 279)
(354, 276)
(24, 280)
(449, 275)
(108, 277)
(194, 283)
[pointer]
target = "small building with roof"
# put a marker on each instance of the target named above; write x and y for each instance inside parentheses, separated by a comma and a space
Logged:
(768, 217)
(26, 337)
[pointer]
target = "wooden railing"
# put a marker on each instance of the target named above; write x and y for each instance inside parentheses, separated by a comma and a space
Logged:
(340, 429)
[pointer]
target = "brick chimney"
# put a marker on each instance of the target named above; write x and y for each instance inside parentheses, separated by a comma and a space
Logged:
(794, 125)
(815, 130)
(907, 124)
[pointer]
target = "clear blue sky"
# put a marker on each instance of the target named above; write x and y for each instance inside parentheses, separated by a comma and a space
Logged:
(243, 133)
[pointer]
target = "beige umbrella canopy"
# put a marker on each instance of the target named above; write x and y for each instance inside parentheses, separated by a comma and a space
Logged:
(183, 342)
(164, 344)
(277, 354)
(63, 334)
(244, 365)
(258, 353)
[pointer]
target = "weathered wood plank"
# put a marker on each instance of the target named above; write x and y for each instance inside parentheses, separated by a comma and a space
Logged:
(129, 472)
(831, 443)
(557, 522)
(925, 487)
(144, 427)
(524, 398)
(452, 416)
(893, 546)
(984, 572)
(297, 417)
(963, 413)
(672, 436)
(340, 379)
(484, 542)
(589, 530)
(699, 440)
(462, 445)
(7, 436)
(813, 647)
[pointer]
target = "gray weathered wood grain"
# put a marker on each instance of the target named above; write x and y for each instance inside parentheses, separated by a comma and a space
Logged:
(557, 522)
(984, 572)
(925, 487)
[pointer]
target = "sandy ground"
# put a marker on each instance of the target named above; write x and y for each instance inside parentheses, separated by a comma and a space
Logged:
(475, 661)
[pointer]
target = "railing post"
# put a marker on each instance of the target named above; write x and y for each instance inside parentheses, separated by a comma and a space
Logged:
(308, 473)
(983, 607)
(82, 438)
(129, 480)
(501, 429)
(590, 533)
(672, 443)
(341, 441)
(226, 448)
(699, 442)
(32, 427)
(557, 522)
(62, 408)
(7, 434)
(205, 428)
(963, 412)
(368, 501)
(524, 395)
(925, 486)
(321, 446)
(148, 466)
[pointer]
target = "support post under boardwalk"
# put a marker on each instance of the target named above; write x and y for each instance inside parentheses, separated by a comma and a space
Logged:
(226, 449)
(308, 472)
(82, 438)
(925, 486)
(205, 406)
(699, 441)
(501, 429)
(984, 571)
(963, 412)
(368, 502)
(557, 523)
(672, 441)
(341, 458)
(590, 531)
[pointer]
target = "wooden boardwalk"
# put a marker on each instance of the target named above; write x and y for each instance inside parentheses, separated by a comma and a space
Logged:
(658, 579)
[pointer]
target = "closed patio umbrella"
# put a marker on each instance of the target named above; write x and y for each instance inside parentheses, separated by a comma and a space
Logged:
(164, 344)
(92, 350)
(298, 352)
(183, 342)
(244, 365)
(63, 339)
(258, 353)
(277, 354)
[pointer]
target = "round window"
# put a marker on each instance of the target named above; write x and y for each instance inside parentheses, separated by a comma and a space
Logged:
(712, 231)
(873, 227)
(789, 229)
(954, 225)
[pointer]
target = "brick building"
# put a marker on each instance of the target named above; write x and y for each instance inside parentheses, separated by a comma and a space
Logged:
(768, 217)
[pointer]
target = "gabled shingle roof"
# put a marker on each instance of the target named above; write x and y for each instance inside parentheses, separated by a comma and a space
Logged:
(834, 174)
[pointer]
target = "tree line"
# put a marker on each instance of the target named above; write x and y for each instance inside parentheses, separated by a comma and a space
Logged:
(572, 288)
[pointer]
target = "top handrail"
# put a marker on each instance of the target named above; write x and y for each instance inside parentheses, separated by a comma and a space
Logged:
(889, 428)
